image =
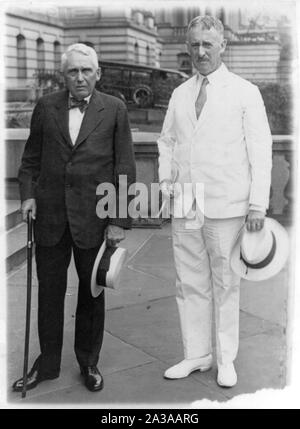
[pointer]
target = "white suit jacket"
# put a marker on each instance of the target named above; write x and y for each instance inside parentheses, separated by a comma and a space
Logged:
(228, 149)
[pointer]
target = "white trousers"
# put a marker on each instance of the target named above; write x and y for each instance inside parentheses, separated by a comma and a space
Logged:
(204, 276)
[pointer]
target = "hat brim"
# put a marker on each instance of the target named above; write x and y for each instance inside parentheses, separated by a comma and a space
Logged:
(113, 274)
(116, 264)
(277, 263)
(95, 288)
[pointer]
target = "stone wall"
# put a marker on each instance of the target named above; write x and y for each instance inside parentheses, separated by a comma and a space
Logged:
(146, 154)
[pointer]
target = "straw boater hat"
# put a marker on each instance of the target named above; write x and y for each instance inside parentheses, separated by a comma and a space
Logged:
(259, 255)
(107, 269)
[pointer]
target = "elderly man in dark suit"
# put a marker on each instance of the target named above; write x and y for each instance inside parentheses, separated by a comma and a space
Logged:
(79, 138)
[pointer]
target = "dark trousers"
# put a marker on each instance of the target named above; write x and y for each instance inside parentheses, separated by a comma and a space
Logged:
(52, 266)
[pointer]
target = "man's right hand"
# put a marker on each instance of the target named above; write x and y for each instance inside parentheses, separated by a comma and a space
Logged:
(27, 205)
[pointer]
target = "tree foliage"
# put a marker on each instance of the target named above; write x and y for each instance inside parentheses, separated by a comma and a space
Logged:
(278, 101)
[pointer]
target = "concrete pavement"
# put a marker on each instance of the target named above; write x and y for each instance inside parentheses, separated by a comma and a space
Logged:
(142, 337)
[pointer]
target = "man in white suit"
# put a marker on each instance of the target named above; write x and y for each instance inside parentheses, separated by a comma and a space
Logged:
(215, 133)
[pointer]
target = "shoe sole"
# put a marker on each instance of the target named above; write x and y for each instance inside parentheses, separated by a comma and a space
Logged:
(200, 369)
(95, 389)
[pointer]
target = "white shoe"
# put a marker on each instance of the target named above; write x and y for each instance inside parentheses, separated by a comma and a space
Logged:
(226, 375)
(185, 367)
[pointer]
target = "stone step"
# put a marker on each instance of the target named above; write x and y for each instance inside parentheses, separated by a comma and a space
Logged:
(12, 189)
(16, 235)
(16, 246)
(12, 215)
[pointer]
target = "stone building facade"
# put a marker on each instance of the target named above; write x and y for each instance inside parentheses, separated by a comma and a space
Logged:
(36, 38)
(254, 49)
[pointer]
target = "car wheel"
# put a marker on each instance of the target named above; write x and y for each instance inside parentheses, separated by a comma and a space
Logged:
(143, 96)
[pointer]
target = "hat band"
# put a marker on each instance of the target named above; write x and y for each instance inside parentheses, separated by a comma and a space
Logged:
(104, 265)
(265, 261)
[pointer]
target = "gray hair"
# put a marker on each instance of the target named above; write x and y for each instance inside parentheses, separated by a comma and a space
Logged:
(207, 22)
(83, 49)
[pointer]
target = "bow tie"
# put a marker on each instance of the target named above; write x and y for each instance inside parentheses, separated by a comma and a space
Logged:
(81, 104)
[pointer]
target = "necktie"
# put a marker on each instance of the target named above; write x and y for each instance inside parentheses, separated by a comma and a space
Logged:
(81, 104)
(201, 99)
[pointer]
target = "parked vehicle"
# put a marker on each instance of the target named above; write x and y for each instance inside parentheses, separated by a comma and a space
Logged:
(142, 86)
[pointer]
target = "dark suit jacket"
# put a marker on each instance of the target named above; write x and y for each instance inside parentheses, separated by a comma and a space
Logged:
(63, 178)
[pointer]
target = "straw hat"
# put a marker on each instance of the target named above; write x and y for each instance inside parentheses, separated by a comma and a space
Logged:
(260, 255)
(107, 269)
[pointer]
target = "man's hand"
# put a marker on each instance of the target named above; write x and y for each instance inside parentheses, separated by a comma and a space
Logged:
(113, 235)
(255, 220)
(167, 189)
(27, 205)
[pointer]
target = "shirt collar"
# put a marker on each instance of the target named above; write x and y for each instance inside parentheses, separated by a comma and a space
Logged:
(214, 77)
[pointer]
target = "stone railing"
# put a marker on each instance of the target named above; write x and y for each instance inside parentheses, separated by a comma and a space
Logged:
(283, 173)
(258, 36)
(146, 154)
(179, 31)
(146, 157)
(283, 179)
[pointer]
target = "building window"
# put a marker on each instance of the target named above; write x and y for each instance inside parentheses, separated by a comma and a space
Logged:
(221, 15)
(157, 59)
(180, 17)
(57, 55)
(148, 58)
(40, 50)
(136, 53)
(193, 12)
(21, 57)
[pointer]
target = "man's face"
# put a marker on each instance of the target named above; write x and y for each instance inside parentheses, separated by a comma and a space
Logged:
(205, 47)
(80, 75)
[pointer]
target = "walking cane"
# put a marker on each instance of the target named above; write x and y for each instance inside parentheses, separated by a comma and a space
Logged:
(28, 303)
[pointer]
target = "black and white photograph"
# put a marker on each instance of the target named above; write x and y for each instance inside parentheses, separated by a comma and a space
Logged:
(149, 199)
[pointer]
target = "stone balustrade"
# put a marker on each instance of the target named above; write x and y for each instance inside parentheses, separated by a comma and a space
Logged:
(283, 179)
(146, 153)
(180, 31)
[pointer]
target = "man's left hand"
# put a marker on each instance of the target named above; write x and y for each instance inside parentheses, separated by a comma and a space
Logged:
(113, 235)
(255, 220)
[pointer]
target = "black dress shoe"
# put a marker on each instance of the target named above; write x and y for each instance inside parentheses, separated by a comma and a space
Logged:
(34, 377)
(92, 378)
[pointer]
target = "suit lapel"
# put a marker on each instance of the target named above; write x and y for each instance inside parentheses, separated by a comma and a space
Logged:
(62, 117)
(91, 118)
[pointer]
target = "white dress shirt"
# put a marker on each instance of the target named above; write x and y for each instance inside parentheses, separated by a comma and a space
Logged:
(75, 120)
